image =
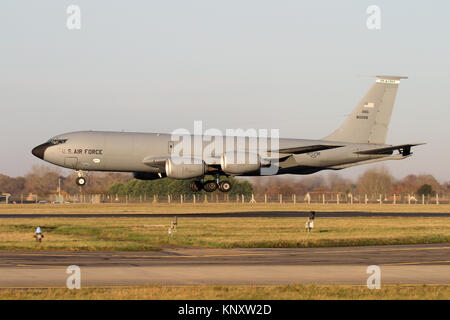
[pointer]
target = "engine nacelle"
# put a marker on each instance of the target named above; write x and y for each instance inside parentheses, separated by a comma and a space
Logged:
(240, 162)
(184, 168)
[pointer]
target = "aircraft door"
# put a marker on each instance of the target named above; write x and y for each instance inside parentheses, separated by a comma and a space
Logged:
(71, 162)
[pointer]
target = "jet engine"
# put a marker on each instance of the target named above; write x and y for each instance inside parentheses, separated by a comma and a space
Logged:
(240, 162)
(185, 168)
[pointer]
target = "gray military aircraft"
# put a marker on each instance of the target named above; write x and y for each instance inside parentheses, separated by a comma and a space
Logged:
(360, 140)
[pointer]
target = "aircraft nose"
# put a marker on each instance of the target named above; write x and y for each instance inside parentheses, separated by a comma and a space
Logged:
(40, 150)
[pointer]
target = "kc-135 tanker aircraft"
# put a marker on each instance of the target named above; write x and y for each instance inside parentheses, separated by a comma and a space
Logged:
(360, 140)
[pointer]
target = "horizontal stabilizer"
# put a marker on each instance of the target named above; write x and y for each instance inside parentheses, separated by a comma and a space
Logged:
(352, 164)
(404, 149)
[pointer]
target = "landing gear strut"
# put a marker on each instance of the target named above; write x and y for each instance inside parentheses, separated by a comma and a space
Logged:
(81, 181)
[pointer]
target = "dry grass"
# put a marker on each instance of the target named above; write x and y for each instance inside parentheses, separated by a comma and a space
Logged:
(177, 208)
(280, 292)
(151, 233)
(27, 237)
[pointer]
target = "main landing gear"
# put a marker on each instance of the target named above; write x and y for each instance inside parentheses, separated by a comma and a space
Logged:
(210, 185)
(81, 181)
(224, 186)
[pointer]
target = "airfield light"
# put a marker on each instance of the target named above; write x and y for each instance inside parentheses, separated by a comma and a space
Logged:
(38, 235)
(309, 225)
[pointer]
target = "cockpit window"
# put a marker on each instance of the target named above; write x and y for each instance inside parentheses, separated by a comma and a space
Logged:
(57, 141)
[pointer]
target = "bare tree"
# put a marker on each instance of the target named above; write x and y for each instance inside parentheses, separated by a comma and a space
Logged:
(10, 185)
(375, 181)
(42, 180)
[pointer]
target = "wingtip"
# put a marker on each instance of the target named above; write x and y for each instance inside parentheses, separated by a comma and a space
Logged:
(388, 77)
(391, 77)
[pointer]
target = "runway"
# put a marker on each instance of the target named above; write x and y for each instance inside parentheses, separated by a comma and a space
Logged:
(252, 214)
(406, 264)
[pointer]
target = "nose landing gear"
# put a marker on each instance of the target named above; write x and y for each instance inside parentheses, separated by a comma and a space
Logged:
(80, 181)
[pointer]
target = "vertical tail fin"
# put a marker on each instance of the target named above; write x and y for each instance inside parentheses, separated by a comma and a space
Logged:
(369, 121)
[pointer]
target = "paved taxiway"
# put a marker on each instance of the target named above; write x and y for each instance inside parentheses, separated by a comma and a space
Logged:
(346, 265)
(252, 214)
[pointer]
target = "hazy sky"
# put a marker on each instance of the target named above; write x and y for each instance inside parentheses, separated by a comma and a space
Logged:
(160, 65)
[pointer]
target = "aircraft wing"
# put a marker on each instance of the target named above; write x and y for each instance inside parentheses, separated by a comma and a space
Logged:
(307, 149)
(404, 149)
(160, 162)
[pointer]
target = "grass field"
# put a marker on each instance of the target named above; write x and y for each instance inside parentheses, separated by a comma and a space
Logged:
(129, 234)
(135, 234)
(177, 208)
(282, 292)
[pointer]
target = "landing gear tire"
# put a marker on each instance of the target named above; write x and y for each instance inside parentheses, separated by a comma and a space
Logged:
(196, 186)
(81, 181)
(210, 186)
(224, 186)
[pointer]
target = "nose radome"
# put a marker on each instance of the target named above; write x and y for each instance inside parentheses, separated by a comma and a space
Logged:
(40, 150)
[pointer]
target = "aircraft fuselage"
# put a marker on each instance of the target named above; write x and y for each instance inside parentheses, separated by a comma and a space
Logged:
(124, 151)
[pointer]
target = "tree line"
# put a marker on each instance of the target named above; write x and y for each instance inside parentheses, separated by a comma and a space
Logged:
(373, 182)
(45, 180)
(168, 186)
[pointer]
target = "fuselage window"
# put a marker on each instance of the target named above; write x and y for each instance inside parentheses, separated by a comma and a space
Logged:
(57, 141)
